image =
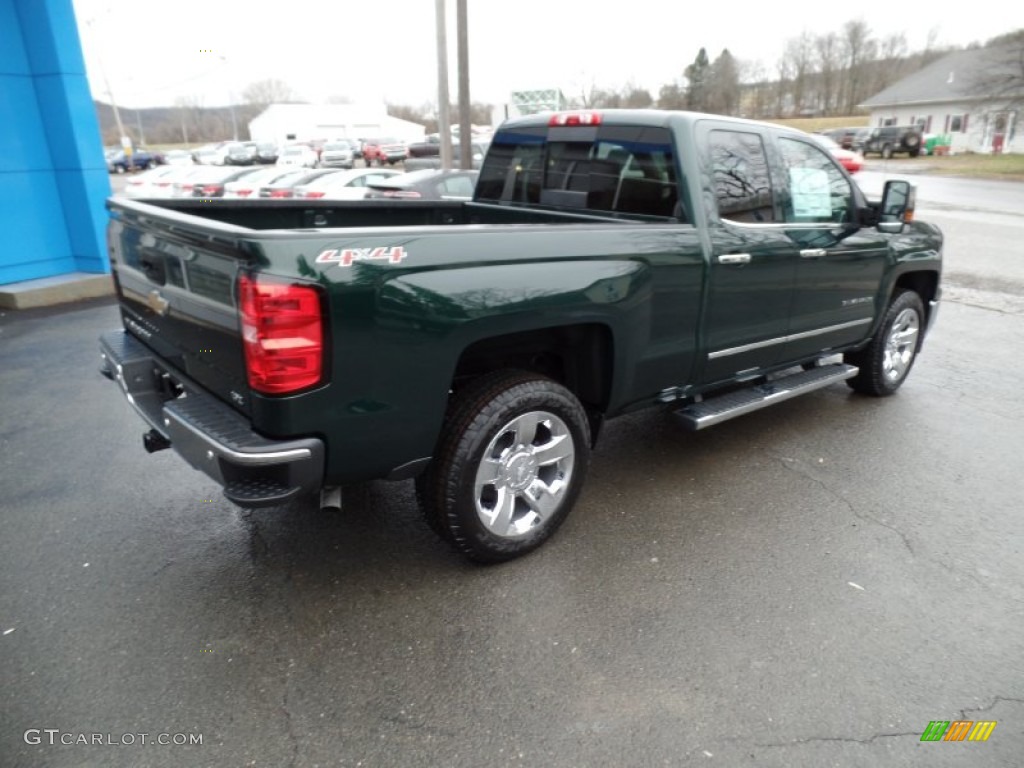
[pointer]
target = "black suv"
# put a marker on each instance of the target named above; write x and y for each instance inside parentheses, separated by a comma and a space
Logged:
(889, 139)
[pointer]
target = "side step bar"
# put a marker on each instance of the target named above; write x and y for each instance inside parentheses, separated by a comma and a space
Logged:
(724, 407)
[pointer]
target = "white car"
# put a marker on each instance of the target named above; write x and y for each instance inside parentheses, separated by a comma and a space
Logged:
(213, 154)
(158, 182)
(344, 185)
(178, 157)
(248, 187)
(297, 155)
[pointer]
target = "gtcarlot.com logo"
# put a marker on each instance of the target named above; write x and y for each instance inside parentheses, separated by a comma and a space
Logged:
(55, 737)
(958, 730)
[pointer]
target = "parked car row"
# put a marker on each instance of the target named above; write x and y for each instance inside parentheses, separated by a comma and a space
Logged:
(140, 158)
(284, 182)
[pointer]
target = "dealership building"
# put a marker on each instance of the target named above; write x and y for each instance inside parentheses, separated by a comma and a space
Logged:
(284, 123)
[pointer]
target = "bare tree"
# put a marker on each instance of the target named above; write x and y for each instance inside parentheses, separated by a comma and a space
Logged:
(858, 49)
(608, 98)
(828, 63)
(1001, 78)
(269, 91)
(754, 89)
(671, 96)
(635, 97)
(799, 57)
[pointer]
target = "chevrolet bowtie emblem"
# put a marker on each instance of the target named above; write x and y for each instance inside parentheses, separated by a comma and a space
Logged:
(158, 303)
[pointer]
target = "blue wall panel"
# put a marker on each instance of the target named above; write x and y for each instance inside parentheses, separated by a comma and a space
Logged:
(13, 59)
(32, 212)
(22, 135)
(53, 179)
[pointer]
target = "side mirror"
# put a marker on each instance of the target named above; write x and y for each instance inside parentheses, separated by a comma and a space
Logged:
(897, 208)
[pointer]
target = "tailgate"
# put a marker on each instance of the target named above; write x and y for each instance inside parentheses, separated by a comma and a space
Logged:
(175, 279)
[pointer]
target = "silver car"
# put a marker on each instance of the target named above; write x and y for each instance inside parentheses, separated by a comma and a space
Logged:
(337, 154)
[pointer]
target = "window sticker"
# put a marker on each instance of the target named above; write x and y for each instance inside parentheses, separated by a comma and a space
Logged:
(810, 190)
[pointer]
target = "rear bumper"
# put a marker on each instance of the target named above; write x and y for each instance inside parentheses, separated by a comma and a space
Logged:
(254, 471)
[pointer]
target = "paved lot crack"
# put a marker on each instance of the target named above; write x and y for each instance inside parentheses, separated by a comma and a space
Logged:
(794, 465)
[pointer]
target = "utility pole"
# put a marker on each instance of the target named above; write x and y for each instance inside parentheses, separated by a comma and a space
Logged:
(465, 126)
(443, 119)
(121, 135)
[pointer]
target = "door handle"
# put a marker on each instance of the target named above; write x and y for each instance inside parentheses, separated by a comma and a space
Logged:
(813, 253)
(734, 258)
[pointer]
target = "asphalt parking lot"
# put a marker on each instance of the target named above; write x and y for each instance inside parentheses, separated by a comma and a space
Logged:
(809, 585)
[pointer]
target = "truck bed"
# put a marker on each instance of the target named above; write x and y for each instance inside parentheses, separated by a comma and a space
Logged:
(331, 214)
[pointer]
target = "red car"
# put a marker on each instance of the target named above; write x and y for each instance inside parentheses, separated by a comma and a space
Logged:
(381, 151)
(851, 161)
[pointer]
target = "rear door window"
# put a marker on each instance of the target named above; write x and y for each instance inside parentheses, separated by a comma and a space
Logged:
(743, 186)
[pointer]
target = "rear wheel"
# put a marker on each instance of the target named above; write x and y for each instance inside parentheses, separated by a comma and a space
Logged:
(886, 361)
(509, 467)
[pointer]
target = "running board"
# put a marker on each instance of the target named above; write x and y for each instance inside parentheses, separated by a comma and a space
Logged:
(724, 407)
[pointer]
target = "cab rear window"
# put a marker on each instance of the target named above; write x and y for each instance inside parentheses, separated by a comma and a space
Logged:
(617, 170)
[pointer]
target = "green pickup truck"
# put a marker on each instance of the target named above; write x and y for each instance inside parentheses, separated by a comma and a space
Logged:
(609, 261)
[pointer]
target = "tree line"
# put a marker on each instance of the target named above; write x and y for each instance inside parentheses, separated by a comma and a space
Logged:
(817, 75)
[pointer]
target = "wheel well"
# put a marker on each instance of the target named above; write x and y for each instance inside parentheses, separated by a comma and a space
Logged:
(577, 356)
(924, 284)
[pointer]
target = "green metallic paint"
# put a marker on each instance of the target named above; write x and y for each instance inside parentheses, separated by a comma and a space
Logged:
(396, 331)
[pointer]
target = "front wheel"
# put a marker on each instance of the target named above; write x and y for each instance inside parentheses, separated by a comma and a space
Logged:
(886, 361)
(509, 466)
(886, 152)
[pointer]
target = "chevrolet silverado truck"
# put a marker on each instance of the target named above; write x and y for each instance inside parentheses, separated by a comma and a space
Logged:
(609, 261)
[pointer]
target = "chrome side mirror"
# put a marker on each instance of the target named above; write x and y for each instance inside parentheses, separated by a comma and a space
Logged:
(897, 208)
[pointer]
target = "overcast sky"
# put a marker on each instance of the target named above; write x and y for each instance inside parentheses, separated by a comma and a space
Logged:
(155, 51)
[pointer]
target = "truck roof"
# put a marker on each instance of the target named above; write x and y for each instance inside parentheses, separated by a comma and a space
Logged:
(660, 118)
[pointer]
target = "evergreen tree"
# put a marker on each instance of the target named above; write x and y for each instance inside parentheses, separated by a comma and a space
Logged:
(697, 75)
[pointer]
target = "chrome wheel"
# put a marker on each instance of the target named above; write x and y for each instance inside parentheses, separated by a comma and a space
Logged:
(524, 474)
(901, 345)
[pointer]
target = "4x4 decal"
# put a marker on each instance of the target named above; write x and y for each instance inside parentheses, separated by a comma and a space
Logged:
(346, 257)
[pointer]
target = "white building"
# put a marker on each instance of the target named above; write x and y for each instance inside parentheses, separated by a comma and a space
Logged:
(974, 97)
(284, 123)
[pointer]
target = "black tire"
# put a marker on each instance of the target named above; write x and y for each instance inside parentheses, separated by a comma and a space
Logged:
(886, 361)
(489, 418)
(915, 152)
(886, 152)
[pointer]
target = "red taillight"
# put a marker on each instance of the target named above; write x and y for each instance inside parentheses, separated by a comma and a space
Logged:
(211, 189)
(280, 193)
(314, 194)
(282, 332)
(575, 118)
(243, 192)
